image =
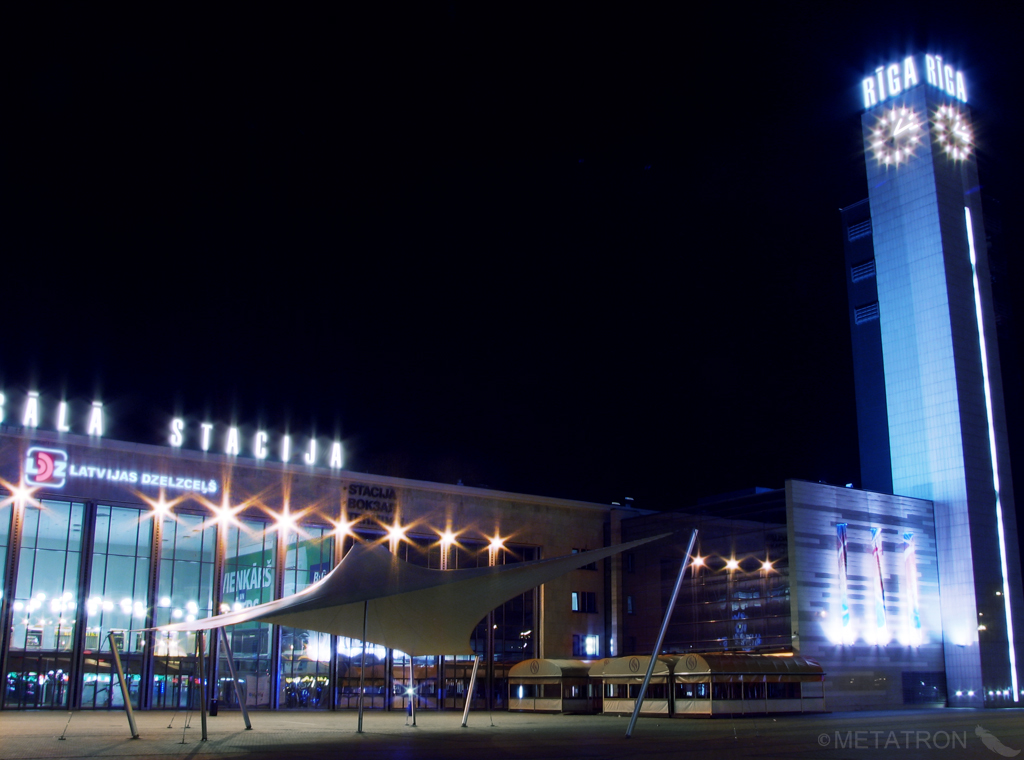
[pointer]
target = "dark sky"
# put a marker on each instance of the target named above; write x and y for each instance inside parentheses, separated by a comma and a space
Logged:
(577, 252)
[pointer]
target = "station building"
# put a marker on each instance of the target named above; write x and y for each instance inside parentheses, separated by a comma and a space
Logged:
(99, 536)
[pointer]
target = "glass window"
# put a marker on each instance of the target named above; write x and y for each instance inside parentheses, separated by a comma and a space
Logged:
(45, 605)
(584, 601)
(585, 645)
(118, 603)
(188, 545)
(306, 655)
(5, 539)
(654, 690)
(46, 597)
(249, 579)
(349, 665)
(783, 690)
(692, 691)
(118, 594)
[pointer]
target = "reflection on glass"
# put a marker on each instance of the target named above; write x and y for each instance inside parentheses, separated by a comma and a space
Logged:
(44, 606)
(118, 603)
(45, 601)
(5, 537)
(118, 598)
(306, 655)
(185, 591)
(249, 580)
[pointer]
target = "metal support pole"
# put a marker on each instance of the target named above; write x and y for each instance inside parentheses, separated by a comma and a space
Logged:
(234, 678)
(362, 669)
(201, 645)
(661, 635)
(412, 691)
(124, 687)
(472, 687)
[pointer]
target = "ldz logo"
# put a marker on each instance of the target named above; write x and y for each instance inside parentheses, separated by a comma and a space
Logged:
(46, 467)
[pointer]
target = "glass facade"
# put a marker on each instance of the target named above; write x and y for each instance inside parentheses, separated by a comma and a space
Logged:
(45, 606)
(118, 604)
(188, 550)
(735, 596)
(5, 541)
(86, 572)
(250, 579)
(743, 609)
(305, 658)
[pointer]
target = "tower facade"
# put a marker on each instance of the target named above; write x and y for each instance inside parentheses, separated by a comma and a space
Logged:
(929, 389)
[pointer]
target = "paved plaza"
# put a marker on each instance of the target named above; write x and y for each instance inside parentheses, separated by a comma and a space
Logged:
(497, 736)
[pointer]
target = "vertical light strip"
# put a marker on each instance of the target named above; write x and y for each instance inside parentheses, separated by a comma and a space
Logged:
(992, 447)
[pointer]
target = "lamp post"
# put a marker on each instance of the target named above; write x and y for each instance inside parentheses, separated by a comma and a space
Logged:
(395, 535)
(493, 549)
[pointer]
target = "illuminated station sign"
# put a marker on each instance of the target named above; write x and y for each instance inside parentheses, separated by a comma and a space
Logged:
(891, 79)
(231, 442)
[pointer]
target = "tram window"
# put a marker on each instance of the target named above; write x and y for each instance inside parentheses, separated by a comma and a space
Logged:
(654, 691)
(691, 691)
(783, 690)
(616, 690)
(524, 691)
(727, 690)
(753, 691)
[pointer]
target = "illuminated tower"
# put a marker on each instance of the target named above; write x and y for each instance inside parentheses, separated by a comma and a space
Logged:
(929, 390)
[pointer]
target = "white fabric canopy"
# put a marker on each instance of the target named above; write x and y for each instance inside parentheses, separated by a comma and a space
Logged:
(414, 609)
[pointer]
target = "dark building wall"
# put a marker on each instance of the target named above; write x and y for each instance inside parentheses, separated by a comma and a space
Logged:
(866, 339)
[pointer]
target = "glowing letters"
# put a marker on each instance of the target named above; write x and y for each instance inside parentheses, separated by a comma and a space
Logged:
(31, 418)
(94, 424)
(232, 444)
(96, 419)
(890, 80)
(62, 417)
(177, 427)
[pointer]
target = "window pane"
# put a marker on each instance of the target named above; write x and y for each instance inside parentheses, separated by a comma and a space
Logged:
(118, 603)
(306, 655)
(249, 580)
(44, 605)
(5, 536)
(185, 590)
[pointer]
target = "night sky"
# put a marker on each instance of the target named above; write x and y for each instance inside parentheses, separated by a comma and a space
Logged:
(576, 252)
